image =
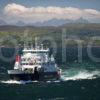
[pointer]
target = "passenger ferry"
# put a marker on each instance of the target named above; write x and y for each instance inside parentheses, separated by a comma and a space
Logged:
(35, 63)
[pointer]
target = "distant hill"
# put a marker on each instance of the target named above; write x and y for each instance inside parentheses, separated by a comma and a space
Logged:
(81, 20)
(59, 22)
(89, 28)
(82, 30)
(2, 22)
(52, 22)
(20, 23)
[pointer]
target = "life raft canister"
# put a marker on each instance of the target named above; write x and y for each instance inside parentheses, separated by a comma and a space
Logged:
(18, 58)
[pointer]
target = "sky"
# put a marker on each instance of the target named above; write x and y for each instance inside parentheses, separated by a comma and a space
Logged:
(28, 11)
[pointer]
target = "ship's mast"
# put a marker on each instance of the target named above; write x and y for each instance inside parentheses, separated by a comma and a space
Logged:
(36, 45)
(31, 46)
(24, 45)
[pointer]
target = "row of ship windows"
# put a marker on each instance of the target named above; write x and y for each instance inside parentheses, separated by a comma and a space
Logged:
(33, 63)
(29, 59)
(29, 63)
(41, 52)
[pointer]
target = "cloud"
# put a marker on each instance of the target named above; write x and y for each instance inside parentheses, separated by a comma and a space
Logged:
(35, 14)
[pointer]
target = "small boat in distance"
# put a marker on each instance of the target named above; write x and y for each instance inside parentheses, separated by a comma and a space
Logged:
(35, 63)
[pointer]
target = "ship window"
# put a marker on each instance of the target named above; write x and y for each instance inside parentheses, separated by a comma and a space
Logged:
(27, 64)
(30, 63)
(24, 63)
(23, 59)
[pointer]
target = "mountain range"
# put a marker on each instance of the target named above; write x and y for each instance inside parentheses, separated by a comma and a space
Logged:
(52, 22)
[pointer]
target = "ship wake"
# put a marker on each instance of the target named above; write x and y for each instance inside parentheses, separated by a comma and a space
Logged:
(68, 74)
(79, 75)
(16, 82)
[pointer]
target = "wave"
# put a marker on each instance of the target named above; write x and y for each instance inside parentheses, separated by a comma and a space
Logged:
(83, 74)
(71, 74)
(2, 67)
(16, 82)
(25, 82)
(2, 73)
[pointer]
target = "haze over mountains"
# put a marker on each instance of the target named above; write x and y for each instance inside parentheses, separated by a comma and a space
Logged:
(52, 22)
(2, 22)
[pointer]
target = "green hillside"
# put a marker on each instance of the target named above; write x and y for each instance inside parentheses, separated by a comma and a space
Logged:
(84, 32)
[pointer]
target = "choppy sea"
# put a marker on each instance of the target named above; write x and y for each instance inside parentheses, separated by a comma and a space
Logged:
(76, 83)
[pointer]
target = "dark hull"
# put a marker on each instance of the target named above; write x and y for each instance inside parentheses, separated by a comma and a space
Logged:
(32, 76)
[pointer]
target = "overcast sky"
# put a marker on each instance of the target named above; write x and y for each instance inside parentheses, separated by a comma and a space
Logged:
(43, 10)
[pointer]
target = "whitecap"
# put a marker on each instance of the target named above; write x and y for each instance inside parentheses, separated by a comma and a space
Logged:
(16, 82)
(81, 75)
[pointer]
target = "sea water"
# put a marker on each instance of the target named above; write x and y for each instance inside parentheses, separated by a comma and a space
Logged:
(76, 83)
